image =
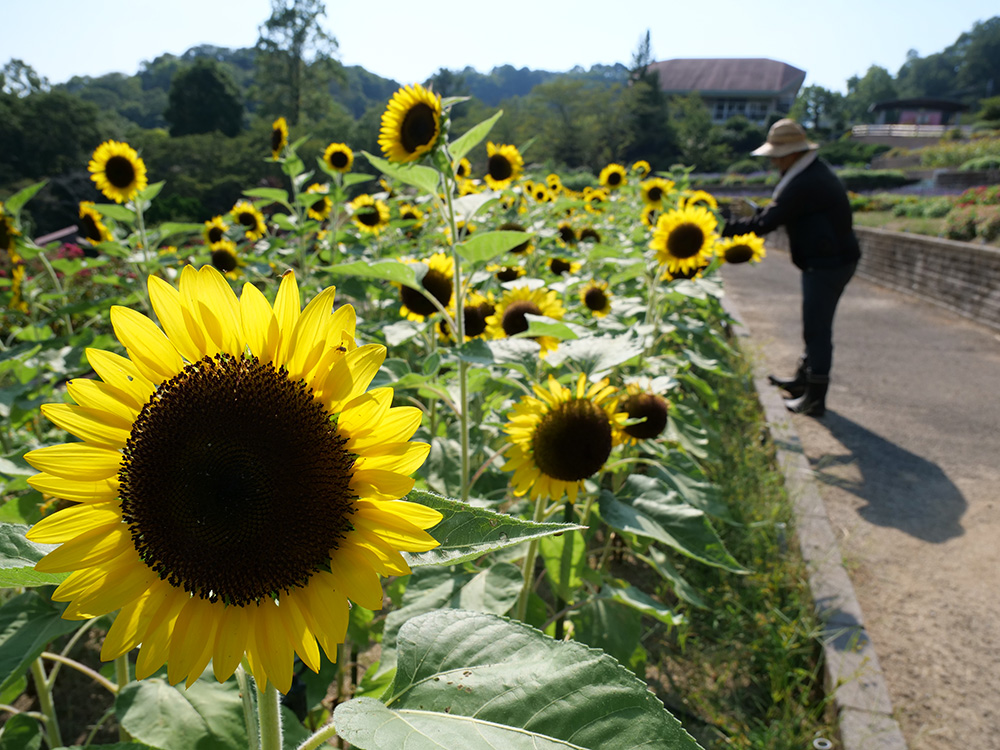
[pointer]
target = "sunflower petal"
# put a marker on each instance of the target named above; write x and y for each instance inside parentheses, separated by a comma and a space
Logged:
(286, 310)
(272, 651)
(355, 578)
(219, 310)
(298, 631)
(260, 327)
(400, 533)
(352, 374)
(92, 425)
(149, 348)
(380, 484)
(122, 374)
(166, 301)
(124, 633)
(156, 639)
(328, 609)
(75, 521)
(93, 394)
(100, 544)
(230, 641)
(77, 461)
(99, 491)
(191, 637)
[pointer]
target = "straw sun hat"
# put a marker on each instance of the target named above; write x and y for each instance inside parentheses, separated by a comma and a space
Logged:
(785, 137)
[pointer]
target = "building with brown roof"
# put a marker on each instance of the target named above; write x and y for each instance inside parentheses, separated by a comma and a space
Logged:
(753, 87)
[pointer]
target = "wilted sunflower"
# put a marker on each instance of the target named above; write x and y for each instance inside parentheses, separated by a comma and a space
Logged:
(247, 216)
(684, 238)
(506, 273)
(214, 230)
(279, 137)
(235, 484)
(224, 257)
(463, 169)
(369, 215)
(743, 248)
(117, 171)
(562, 266)
(339, 157)
(411, 124)
(475, 311)
(595, 297)
(320, 210)
(641, 168)
(509, 318)
(647, 406)
(560, 437)
(92, 225)
(655, 190)
(613, 176)
(504, 165)
(438, 282)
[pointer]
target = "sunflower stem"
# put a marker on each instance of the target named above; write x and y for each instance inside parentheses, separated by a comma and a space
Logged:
(269, 717)
(529, 565)
(249, 710)
(59, 290)
(97, 677)
(319, 737)
(123, 678)
(43, 688)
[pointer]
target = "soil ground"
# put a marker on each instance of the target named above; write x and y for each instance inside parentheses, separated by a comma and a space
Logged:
(906, 460)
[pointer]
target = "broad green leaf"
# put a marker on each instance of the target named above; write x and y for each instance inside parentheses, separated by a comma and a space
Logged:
(565, 556)
(681, 472)
(466, 673)
(417, 175)
(658, 561)
(170, 228)
(467, 206)
(540, 325)
(18, 557)
(646, 507)
(467, 532)
(356, 178)
(275, 195)
(115, 211)
(386, 270)
(115, 746)
(472, 137)
(629, 272)
(150, 192)
(28, 624)
(608, 625)
(21, 732)
(685, 427)
(597, 355)
(284, 221)
(476, 352)
(480, 248)
(642, 602)
(14, 204)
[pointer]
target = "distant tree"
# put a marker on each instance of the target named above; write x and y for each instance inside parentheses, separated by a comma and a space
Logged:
(447, 83)
(699, 142)
(877, 85)
(818, 108)
(121, 95)
(934, 75)
(20, 79)
(979, 65)
(649, 132)
(203, 98)
(294, 60)
(741, 136)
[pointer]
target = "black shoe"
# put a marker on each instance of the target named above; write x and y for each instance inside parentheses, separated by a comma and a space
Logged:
(796, 385)
(812, 402)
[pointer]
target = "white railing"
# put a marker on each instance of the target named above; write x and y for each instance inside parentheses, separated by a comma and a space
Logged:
(904, 131)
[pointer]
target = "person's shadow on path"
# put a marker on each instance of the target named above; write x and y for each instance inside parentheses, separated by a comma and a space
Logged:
(902, 489)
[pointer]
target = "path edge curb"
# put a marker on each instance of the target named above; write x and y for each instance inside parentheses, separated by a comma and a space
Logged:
(851, 668)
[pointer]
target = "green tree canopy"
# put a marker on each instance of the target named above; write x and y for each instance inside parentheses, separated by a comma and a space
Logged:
(877, 85)
(203, 98)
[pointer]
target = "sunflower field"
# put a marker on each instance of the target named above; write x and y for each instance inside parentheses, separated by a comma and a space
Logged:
(362, 461)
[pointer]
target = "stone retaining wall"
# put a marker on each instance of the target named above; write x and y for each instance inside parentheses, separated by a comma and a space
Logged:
(961, 276)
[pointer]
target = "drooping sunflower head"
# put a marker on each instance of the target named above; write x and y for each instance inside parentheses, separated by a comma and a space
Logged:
(655, 190)
(320, 210)
(9, 230)
(562, 266)
(411, 124)
(560, 437)
(91, 224)
(743, 248)
(589, 234)
(651, 408)
(369, 215)
(339, 157)
(684, 238)
(510, 317)
(117, 171)
(641, 168)
(224, 256)
(506, 273)
(596, 298)
(526, 247)
(279, 137)
(504, 165)
(463, 169)
(235, 482)
(248, 216)
(438, 283)
(214, 230)
(613, 176)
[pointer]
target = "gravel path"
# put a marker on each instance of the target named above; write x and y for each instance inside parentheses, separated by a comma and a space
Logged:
(908, 464)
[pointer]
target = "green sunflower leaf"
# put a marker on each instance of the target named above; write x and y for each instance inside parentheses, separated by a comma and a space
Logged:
(597, 355)
(116, 212)
(472, 137)
(480, 248)
(385, 270)
(540, 325)
(417, 175)
(275, 195)
(150, 192)
(170, 228)
(355, 178)
(28, 624)
(483, 682)
(467, 532)
(13, 204)
(18, 556)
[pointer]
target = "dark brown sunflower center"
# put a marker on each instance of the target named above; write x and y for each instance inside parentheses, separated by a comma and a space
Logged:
(559, 266)
(338, 160)
(614, 179)
(572, 441)
(646, 406)
(739, 254)
(247, 219)
(216, 234)
(508, 273)
(590, 234)
(368, 215)
(685, 240)
(475, 318)
(419, 127)
(595, 299)
(235, 483)
(567, 234)
(436, 284)
(655, 194)
(224, 260)
(90, 229)
(462, 171)
(120, 171)
(500, 168)
(514, 320)
(277, 139)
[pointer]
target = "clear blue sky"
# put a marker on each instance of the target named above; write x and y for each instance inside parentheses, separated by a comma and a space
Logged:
(410, 41)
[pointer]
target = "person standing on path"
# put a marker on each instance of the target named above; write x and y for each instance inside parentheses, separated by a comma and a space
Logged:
(811, 203)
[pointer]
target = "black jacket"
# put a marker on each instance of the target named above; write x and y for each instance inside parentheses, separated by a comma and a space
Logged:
(815, 211)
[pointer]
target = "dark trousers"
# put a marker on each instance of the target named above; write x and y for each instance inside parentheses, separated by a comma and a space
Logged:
(821, 290)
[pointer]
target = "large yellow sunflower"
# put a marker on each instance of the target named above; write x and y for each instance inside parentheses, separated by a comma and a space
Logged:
(250, 218)
(224, 257)
(504, 165)
(369, 215)
(695, 197)
(411, 124)
(596, 298)
(644, 405)
(214, 230)
(509, 318)
(613, 176)
(91, 224)
(235, 483)
(117, 171)
(475, 311)
(655, 190)
(561, 436)
(339, 157)
(438, 282)
(320, 210)
(743, 248)
(279, 137)
(684, 238)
